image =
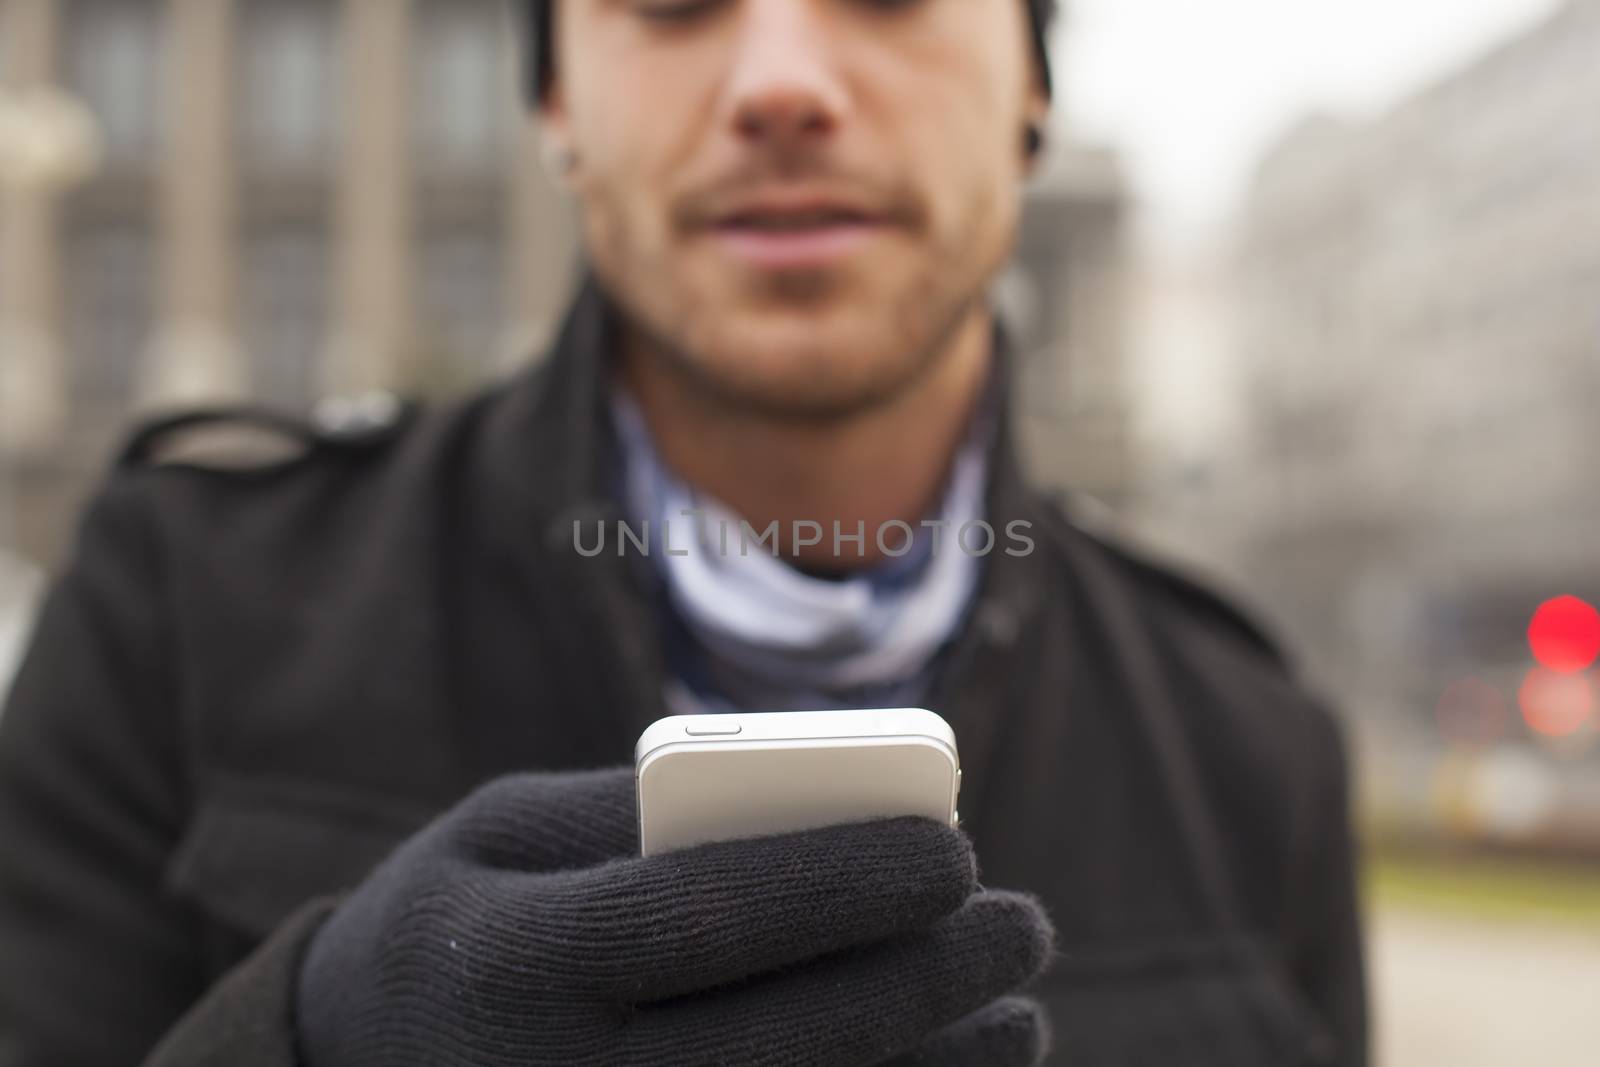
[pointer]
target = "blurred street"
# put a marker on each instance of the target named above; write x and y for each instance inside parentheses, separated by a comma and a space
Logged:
(1468, 992)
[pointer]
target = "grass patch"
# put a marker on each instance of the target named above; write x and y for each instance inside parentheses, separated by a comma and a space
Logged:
(1486, 888)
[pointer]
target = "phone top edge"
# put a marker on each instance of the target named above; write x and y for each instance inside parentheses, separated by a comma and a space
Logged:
(702, 745)
(850, 724)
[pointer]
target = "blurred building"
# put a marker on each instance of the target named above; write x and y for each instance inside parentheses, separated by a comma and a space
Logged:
(1064, 298)
(1421, 347)
(295, 198)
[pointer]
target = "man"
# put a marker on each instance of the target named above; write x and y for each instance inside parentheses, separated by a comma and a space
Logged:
(298, 768)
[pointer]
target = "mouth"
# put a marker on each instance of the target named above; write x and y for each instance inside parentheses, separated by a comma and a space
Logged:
(797, 218)
(795, 236)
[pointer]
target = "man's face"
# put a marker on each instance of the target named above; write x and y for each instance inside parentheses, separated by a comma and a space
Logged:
(796, 200)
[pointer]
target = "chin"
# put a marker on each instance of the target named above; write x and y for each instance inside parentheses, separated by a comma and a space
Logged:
(814, 345)
(805, 364)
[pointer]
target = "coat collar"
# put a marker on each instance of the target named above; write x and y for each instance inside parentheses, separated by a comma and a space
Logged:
(551, 447)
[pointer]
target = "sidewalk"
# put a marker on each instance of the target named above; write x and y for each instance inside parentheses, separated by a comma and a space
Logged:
(1464, 992)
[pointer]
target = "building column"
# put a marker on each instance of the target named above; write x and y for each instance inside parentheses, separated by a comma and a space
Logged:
(372, 331)
(33, 378)
(195, 354)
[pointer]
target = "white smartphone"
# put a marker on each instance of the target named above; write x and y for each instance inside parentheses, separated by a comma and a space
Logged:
(707, 778)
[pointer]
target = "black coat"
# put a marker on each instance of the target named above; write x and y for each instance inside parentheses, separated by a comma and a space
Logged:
(256, 677)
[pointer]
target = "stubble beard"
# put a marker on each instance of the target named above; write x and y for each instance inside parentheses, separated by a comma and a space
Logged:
(891, 349)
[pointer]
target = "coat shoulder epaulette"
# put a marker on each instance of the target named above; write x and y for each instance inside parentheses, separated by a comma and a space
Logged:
(242, 439)
(1094, 520)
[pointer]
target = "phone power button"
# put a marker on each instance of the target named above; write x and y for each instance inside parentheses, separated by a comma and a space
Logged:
(713, 729)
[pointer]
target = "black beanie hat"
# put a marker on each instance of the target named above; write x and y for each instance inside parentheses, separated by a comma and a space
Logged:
(543, 65)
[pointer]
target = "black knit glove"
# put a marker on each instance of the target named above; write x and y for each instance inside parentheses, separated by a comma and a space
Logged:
(521, 928)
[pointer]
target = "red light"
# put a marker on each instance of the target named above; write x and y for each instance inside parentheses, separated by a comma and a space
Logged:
(1565, 634)
(1556, 704)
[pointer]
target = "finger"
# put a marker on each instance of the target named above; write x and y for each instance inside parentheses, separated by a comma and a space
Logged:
(547, 822)
(866, 1005)
(705, 916)
(1011, 1032)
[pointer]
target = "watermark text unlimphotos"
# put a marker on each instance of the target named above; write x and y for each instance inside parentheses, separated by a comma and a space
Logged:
(893, 539)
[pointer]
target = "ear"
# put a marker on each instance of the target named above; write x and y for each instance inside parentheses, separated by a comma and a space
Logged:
(555, 135)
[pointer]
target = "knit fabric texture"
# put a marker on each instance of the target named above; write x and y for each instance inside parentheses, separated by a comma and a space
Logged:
(522, 928)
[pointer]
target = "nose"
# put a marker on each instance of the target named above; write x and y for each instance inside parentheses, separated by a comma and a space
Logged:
(784, 89)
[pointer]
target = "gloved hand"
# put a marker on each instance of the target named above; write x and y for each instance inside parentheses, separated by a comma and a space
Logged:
(521, 928)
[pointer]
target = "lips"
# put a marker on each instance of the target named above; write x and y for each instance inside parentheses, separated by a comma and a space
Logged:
(801, 219)
(787, 235)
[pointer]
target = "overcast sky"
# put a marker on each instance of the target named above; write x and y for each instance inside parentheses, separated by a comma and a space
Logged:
(1193, 90)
